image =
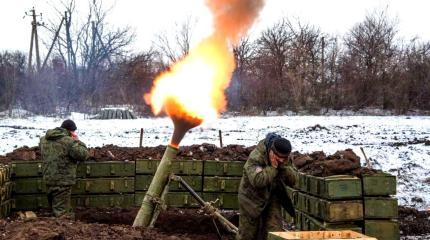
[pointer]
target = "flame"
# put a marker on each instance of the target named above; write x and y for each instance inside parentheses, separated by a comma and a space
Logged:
(193, 89)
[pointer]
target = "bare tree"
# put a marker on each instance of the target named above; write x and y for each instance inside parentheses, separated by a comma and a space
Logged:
(369, 53)
(12, 66)
(88, 47)
(172, 48)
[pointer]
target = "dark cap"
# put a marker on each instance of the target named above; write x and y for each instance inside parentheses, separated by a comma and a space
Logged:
(281, 147)
(69, 125)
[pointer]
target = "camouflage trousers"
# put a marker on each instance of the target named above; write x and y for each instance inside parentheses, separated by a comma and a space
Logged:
(270, 220)
(59, 199)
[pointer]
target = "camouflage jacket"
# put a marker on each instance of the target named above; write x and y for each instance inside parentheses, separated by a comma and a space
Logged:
(261, 182)
(60, 154)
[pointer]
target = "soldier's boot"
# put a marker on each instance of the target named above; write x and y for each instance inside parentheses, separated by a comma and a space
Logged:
(61, 200)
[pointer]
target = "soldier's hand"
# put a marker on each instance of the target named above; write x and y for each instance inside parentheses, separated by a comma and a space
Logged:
(74, 135)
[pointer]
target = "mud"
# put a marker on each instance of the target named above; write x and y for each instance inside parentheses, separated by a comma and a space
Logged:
(414, 222)
(316, 163)
(174, 224)
(340, 163)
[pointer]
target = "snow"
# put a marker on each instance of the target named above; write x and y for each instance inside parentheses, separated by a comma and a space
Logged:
(376, 134)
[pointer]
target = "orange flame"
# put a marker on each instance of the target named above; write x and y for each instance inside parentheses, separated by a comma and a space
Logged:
(194, 87)
(193, 90)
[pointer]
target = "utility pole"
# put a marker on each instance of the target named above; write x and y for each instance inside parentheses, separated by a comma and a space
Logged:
(53, 43)
(34, 38)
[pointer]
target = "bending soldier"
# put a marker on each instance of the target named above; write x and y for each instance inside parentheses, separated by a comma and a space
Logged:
(61, 150)
(261, 190)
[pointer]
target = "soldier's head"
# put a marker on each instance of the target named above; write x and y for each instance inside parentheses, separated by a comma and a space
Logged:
(69, 125)
(280, 150)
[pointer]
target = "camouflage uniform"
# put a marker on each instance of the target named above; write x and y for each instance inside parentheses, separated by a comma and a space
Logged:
(261, 195)
(60, 154)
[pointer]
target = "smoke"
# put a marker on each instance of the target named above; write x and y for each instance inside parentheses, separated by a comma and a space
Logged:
(233, 18)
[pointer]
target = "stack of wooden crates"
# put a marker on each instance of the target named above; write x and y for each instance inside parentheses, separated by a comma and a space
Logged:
(99, 184)
(6, 186)
(322, 203)
(346, 202)
(215, 181)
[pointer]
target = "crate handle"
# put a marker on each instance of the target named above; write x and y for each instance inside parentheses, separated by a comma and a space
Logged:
(112, 170)
(88, 171)
(225, 168)
(112, 185)
(186, 200)
(223, 185)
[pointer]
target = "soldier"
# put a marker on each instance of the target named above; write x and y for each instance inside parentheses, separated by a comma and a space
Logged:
(261, 190)
(61, 150)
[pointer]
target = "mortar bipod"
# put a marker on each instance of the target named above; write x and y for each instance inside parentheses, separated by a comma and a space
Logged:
(207, 207)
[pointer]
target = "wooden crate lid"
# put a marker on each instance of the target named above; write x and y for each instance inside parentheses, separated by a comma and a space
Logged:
(318, 235)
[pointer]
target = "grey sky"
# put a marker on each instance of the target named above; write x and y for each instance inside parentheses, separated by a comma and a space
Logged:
(148, 17)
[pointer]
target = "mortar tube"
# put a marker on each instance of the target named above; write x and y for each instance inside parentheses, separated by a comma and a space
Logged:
(158, 183)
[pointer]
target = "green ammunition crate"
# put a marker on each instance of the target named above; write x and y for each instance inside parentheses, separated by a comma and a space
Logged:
(37, 201)
(330, 210)
(82, 186)
(382, 229)
(380, 207)
(29, 186)
(312, 224)
(30, 202)
(379, 184)
(143, 182)
(104, 185)
(221, 184)
(6, 207)
(6, 191)
(26, 169)
(106, 169)
(222, 200)
(223, 168)
(333, 187)
(173, 199)
(181, 200)
(179, 167)
(104, 201)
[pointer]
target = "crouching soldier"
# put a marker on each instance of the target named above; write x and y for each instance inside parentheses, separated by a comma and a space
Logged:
(261, 190)
(61, 150)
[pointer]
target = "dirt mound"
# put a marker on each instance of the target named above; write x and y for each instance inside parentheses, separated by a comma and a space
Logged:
(23, 153)
(111, 152)
(174, 224)
(414, 222)
(340, 163)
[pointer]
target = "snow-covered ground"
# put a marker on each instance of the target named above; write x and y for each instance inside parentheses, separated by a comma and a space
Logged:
(378, 136)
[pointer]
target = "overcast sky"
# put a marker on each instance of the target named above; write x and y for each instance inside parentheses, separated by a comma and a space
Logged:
(148, 17)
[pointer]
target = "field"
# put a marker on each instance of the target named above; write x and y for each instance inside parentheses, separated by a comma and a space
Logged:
(399, 145)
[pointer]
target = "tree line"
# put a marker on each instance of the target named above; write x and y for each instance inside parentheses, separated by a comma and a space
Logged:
(288, 66)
